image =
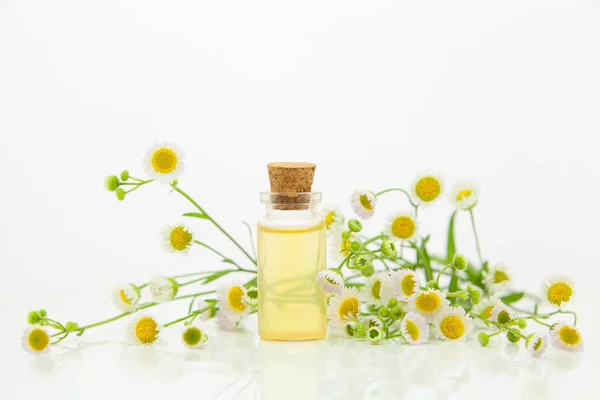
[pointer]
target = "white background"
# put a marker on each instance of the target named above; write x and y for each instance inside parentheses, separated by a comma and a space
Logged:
(506, 93)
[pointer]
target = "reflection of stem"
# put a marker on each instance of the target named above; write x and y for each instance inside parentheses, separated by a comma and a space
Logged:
(476, 236)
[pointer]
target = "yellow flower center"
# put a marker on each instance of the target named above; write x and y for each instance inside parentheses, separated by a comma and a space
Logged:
(412, 330)
(348, 308)
(403, 227)
(452, 327)
(428, 302)
(124, 298)
(408, 285)
(463, 194)
(146, 330)
(345, 246)
(164, 160)
(38, 340)
(559, 293)
(365, 202)
(329, 219)
(500, 276)
(487, 313)
(179, 238)
(376, 290)
(428, 188)
(192, 336)
(235, 297)
(569, 336)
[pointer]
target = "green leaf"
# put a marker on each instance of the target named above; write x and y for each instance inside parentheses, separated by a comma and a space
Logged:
(216, 276)
(195, 215)
(513, 297)
(474, 275)
(451, 246)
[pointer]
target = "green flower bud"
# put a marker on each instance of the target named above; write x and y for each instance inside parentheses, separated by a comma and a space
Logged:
(354, 225)
(504, 317)
(522, 322)
(396, 312)
(124, 175)
(475, 296)
(120, 193)
(355, 246)
(360, 332)
(484, 339)
(361, 262)
(72, 326)
(33, 317)
(368, 271)
(384, 312)
(375, 334)
(346, 235)
(174, 183)
(393, 302)
(43, 313)
(389, 248)
(460, 262)
(513, 338)
(111, 183)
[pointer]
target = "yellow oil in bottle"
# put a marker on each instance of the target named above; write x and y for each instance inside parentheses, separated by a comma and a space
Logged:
(291, 304)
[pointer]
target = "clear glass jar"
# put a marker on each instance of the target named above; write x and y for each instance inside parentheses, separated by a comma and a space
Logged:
(291, 252)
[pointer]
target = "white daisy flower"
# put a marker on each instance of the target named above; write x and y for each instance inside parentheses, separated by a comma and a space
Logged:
(363, 203)
(163, 289)
(497, 278)
(36, 339)
(224, 323)
(537, 345)
(484, 308)
(377, 289)
(557, 290)
(401, 226)
(371, 320)
(454, 324)
(426, 189)
(500, 314)
(331, 281)
(230, 300)
(164, 162)
(126, 297)
(464, 195)
(333, 218)
(193, 337)
(405, 283)
(430, 303)
(339, 248)
(251, 297)
(414, 328)
(143, 329)
(375, 334)
(344, 308)
(566, 337)
(177, 239)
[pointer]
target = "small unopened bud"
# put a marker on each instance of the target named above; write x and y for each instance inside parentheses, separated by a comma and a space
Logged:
(346, 235)
(389, 248)
(360, 331)
(396, 312)
(384, 312)
(354, 225)
(393, 302)
(43, 313)
(475, 296)
(361, 262)
(120, 193)
(124, 175)
(460, 262)
(512, 337)
(71, 326)
(355, 246)
(522, 323)
(33, 317)
(368, 271)
(111, 183)
(484, 339)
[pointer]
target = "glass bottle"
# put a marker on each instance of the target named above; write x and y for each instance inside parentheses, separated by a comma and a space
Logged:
(291, 252)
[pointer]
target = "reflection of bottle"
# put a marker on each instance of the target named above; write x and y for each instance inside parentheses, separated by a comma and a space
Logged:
(291, 252)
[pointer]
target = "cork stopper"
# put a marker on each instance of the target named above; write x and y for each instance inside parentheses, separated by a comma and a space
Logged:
(291, 184)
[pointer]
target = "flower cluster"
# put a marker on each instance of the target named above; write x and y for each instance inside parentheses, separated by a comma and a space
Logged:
(391, 286)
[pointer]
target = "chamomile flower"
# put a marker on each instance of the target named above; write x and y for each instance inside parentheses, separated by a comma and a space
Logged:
(163, 289)
(193, 337)
(251, 297)
(36, 339)
(164, 162)
(331, 281)
(126, 297)
(566, 337)
(401, 226)
(497, 278)
(224, 323)
(484, 309)
(230, 299)
(339, 248)
(371, 320)
(177, 239)
(557, 290)
(375, 334)
(363, 203)
(414, 328)
(464, 195)
(377, 289)
(430, 303)
(500, 314)
(143, 329)
(333, 218)
(537, 345)
(454, 324)
(426, 189)
(405, 283)
(344, 308)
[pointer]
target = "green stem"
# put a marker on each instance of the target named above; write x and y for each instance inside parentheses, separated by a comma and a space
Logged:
(426, 265)
(476, 236)
(397, 190)
(343, 262)
(184, 194)
(541, 323)
(437, 281)
(192, 314)
(229, 260)
(373, 239)
(504, 327)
